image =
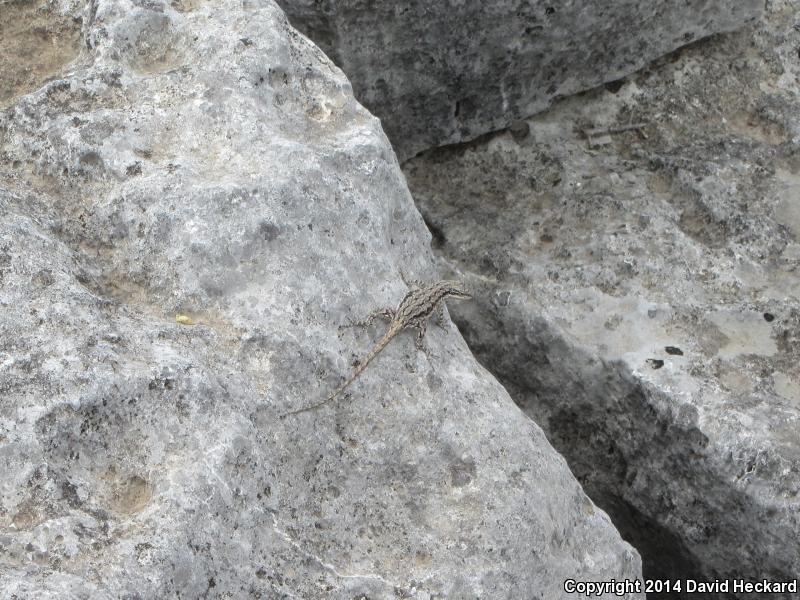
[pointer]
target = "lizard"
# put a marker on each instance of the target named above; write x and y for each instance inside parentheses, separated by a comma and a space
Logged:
(420, 302)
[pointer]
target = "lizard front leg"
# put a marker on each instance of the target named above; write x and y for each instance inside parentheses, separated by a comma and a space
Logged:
(413, 284)
(440, 315)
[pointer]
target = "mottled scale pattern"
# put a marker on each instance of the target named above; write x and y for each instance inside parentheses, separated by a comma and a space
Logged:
(419, 303)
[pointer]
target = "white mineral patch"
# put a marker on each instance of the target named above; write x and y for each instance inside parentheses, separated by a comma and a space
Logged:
(745, 333)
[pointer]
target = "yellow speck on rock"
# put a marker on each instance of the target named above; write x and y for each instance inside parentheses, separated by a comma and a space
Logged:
(184, 320)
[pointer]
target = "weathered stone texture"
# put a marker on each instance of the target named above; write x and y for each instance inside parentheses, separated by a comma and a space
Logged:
(204, 159)
(443, 72)
(640, 298)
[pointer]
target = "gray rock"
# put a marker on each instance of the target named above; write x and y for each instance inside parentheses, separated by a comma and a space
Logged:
(439, 73)
(641, 301)
(188, 210)
(38, 39)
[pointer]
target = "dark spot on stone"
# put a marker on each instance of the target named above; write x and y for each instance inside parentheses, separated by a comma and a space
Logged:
(550, 10)
(269, 231)
(547, 238)
(44, 278)
(656, 363)
(615, 86)
(769, 317)
(520, 129)
(91, 159)
(261, 573)
(278, 76)
(246, 41)
(69, 492)
(697, 439)
(134, 169)
(674, 350)
(462, 472)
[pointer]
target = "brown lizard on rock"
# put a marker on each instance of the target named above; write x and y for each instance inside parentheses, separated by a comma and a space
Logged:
(419, 303)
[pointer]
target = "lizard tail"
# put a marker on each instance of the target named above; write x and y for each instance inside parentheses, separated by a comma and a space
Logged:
(382, 343)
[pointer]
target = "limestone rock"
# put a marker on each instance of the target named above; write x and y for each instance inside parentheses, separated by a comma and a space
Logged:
(188, 210)
(438, 73)
(641, 300)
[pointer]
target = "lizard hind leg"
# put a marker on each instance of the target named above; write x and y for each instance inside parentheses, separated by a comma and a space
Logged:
(385, 313)
(421, 327)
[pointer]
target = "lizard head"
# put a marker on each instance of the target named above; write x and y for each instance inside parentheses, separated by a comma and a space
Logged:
(456, 289)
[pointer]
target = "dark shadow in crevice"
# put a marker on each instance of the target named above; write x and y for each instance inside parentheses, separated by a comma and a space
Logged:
(638, 457)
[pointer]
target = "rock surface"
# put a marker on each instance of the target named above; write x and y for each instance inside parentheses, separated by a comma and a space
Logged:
(639, 295)
(188, 209)
(35, 44)
(438, 73)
